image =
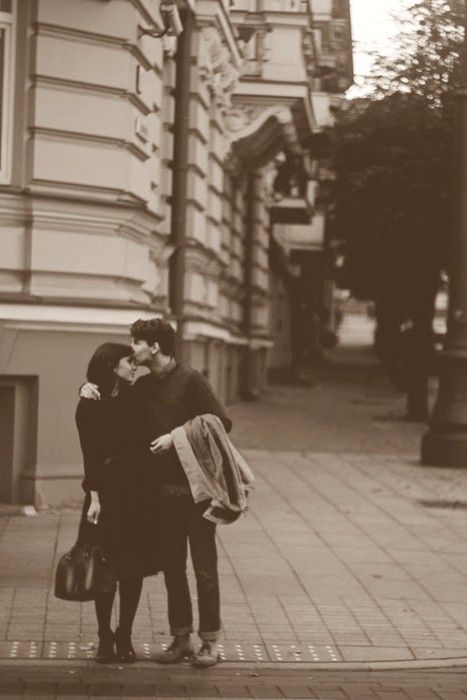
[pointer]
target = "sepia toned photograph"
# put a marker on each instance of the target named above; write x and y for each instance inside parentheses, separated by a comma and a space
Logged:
(233, 349)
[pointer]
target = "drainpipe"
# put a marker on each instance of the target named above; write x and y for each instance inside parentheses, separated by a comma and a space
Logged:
(249, 224)
(249, 389)
(180, 177)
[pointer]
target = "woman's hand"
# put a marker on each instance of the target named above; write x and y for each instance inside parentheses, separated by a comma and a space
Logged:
(94, 509)
(89, 391)
(161, 444)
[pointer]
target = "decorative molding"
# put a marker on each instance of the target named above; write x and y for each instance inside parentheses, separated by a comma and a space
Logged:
(161, 253)
(80, 35)
(128, 223)
(148, 17)
(169, 44)
(259, 128)
(241, 116)
(96, 88)
(259, 343)
(249, 118)
(216, 66)
(202, 259)
(232, 288)
(217, 17)
(50, 317)
(96, 39)
(72, 214)
(269, 176)
(194, 330)
(143, 154)
(40, 188)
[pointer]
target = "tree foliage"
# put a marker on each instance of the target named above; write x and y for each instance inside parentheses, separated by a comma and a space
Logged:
(393, 156)
(428, 58)
(393, 165)
(394, 151)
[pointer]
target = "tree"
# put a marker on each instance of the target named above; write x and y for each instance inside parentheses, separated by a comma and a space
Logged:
(427, 59)
(393, 157)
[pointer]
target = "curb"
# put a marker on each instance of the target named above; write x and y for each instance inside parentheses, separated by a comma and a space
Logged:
(238, 667)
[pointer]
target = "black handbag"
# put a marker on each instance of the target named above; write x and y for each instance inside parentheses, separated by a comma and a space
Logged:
(85, 572)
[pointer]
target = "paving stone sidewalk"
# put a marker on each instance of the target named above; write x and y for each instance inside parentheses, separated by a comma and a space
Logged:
(344, 557)
(348, 407)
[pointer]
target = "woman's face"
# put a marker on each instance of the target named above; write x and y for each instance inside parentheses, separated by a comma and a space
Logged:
(125, 370)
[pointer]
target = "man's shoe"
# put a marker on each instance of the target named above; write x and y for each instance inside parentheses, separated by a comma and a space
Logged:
(181, 648)
(106, 649)
(207, 655)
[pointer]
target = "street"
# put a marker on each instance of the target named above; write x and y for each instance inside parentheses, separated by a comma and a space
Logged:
(352, 557)
(228, 681)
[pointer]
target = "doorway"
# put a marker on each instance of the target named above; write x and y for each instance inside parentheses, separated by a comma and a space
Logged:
(18, 436)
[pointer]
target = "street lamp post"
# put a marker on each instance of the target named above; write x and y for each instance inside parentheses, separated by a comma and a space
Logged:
(445, 444)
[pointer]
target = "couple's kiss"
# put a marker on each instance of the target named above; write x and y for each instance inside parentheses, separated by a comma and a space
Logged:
(145, 499)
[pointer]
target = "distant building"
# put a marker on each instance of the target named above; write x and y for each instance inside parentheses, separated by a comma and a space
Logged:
(155, 159)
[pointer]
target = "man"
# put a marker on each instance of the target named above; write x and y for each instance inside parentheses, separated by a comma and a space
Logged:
(174, 394)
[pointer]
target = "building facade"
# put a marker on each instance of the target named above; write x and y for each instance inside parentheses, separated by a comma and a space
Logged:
(143, 147)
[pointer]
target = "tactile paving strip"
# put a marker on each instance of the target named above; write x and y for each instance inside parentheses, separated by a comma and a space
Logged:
(229, 651)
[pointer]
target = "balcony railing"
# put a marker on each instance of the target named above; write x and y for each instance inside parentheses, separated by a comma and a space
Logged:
(272, 5)
(295, 208)
(283, 5)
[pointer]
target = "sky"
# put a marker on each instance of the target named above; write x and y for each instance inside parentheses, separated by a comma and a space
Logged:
(373, 27)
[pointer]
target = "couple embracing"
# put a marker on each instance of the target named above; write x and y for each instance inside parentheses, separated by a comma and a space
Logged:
(159, 471)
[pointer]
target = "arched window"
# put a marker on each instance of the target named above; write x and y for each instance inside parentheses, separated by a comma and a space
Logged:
(7, 17)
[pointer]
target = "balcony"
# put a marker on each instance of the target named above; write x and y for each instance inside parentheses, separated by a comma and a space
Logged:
(324, 107)
(283, 6)
(294, 192)
(321, 10)
(291, 210)
(297, 238)
(304, 237)
(295, 206)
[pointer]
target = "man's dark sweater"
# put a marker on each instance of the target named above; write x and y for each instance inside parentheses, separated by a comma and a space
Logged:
(171, 400)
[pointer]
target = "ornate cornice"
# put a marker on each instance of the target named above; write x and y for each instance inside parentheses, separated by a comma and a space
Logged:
(259, 132)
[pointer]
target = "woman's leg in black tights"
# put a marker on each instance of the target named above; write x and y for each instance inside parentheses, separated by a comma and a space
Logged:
(130, 593)
(104, 604)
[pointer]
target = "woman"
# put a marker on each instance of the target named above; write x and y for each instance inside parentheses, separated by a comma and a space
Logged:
(118, 510)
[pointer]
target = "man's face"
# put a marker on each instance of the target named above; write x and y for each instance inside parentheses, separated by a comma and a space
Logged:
(142, 352)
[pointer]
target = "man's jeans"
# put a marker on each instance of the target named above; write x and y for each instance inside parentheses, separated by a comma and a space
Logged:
(182, 520)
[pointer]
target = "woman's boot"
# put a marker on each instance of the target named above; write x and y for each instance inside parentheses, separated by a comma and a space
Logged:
(106, 649)
(125, 652)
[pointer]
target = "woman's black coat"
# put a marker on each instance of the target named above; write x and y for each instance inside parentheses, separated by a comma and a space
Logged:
(115, 439)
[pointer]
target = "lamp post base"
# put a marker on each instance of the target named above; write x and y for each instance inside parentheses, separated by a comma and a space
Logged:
(445, 444)
(444, 450)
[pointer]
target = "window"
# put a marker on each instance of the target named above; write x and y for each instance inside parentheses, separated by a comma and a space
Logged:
(6, 87)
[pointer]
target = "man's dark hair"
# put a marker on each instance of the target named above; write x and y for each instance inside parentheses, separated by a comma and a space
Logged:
(155, 331)
(103, 363)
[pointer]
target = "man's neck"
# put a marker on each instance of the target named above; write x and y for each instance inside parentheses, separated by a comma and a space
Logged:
(162, 364)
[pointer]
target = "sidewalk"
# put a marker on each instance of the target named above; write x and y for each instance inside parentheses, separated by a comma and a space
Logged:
(352, 554)
(349, 407)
